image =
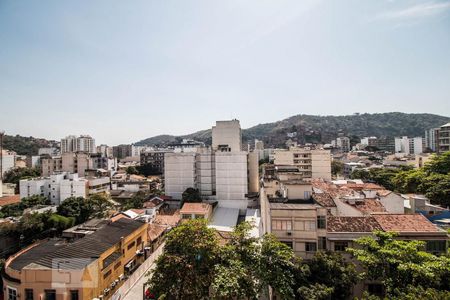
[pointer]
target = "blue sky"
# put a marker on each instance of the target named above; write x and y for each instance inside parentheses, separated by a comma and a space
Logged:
(126, 70)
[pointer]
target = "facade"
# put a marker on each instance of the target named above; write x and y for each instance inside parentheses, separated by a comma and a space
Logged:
(343, 143)
(122, 151)
(105, 150)
(8, 160)
(77, 162)
(313, 163)
(83, 143)
(444, 138)
(226, 135)
(432, 139)
(409, 145)
(196, 211)
(48, 151)
(91, 267)
(154, 158)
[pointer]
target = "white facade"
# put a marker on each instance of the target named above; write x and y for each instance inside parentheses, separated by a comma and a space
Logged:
(76, 187)
(37, 186)
(179, 173)
(8, 161)
(227, 134)
(48, 151)
(83, 143)
(409, 145)
(343, 143)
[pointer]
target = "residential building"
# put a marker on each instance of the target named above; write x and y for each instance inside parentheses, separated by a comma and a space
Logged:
(186, 145)
(91, 267)
(444, 138)
(409, 145)
(122, 151)
(8, 160)
(196, 211)
(33, 161)
(369, 141)
(48, 151)
(227, 136)
(154, 158)
(105, 150)
(259, 145)
(313, 163)
(432, 139)
(343, 144)
(221, 174)
(83, 143)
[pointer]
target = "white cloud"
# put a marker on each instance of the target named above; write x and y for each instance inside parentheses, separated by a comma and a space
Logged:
(417, 11)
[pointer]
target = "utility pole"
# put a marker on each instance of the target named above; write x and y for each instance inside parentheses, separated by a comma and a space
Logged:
(2, 133)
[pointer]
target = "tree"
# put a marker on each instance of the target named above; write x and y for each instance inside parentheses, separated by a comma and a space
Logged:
(35, 200)
(12, 210)
(397, 263)
(330, 270)
(186, 268)
(315, 291)
(16, 174)
(131, 170)
(439, 164)
(100, 204)
(337, 167)
(137, 201)
(76, 207)
(191, 195)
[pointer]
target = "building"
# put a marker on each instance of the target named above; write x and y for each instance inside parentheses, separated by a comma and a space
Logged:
(196, 211)
(313, 163)
(223, 175)
(122, 151)
(432, 139)
(186, 145)
(8, 161)
(343, 144)
(83, 143)
(369, 141)
(59, 187)
(93, 266)
(48, 151)
(444, 138)
(154, 158)
(227, 136)
(409, 145)
(77, 162)
(259, 145)
(105, 150)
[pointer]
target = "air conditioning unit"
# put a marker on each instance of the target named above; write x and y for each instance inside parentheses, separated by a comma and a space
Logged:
(289, 232)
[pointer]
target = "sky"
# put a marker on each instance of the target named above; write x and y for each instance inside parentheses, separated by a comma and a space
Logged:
(123, 71)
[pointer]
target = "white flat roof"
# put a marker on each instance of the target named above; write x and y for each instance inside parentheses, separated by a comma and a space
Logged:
(224, 219)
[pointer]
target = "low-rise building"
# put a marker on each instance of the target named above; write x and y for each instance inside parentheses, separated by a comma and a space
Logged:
(90, 267)
(196, 211)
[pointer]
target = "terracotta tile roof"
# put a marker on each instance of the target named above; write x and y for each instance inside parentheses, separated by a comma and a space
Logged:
(168, 220)
(153, 203)
(324, 199)
(405, 223)
(154, 231)
(369, 206)
(195, 208)
(383, 193)
(9, 200)
(352, 224)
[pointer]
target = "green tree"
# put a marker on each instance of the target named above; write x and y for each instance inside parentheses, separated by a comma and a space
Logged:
(337, 167)
(439, 164)
(12, 210)
(35, 200)
(191, 195)
(186, 268)
(330, 270)
(16, 174)
(76, 207)
(137, 201)
(314, 291)
(60, 223)
(100, 204)
(131, 170)
(397, 263)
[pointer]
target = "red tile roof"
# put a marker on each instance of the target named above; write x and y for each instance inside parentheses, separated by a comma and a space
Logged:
(9, 200)
(195, 208)
(405, 223)
(352, 224)
(324, 199)
(369, 206)
(154, 231)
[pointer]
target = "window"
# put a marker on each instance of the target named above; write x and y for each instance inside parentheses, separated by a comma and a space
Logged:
(340, 246)
(289, 244)
(436, 246)
(310, 225)
(116, 266)
(307, 194)
(321, 222)
(186, 216)
(310, 247)
(131, 245)
(12, 294)
(322, 243)
(281, 225)
(106, 275)
(139, 240)
(50, 295)
(28, 294)
(74, 295)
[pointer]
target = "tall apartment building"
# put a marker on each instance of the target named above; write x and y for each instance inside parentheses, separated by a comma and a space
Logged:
(313, 163)
(444, 138)
(227, 136)
(409, 145)
(343, 143)
(105, 150)
(122, 151)
(154, 158)
(8, 160)
(83, 143)
(76, 162)
(223, 173)
(432, 139)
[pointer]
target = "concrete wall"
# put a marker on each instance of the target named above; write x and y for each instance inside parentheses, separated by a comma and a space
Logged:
(179, 173)
(227, 133)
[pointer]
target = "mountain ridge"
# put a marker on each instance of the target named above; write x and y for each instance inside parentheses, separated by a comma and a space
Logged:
(304, 128)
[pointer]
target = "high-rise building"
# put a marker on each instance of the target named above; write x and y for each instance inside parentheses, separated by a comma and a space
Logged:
(83, 143)
(343, 143)
(221, 173)
(154, 158)
(122, 151)
(409, 145)
(432, 139)
(444, 138)
(227, 136)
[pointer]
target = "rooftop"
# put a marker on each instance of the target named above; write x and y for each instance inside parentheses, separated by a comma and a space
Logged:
(9, 200)
(352, 224)
(78, 254)
(195, 208)
(224, 219)
(405, 223)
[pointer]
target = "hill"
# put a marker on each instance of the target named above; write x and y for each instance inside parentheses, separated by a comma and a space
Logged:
(25, 145)
(322, 129)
